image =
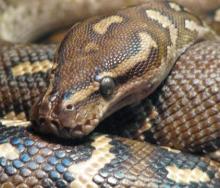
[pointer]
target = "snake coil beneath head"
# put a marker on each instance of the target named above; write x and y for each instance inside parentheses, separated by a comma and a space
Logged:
(103, 65)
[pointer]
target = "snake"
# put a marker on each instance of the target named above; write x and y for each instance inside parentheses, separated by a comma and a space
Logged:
(148, 72)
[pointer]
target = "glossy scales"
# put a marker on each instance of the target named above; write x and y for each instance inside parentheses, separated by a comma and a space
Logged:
(184, 112)
(23, 73)
(41, 162)
(38, 162)
(30, 161)
(133, 164)
(134, 47)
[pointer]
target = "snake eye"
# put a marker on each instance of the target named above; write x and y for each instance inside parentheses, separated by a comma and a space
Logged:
(107, 86)
(70, 107)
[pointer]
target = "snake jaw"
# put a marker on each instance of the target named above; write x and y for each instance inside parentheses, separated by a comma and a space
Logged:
(59, 130)
(78, 124)
(66, 124)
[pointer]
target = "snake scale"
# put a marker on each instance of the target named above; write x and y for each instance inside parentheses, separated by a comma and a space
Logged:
(103, 65)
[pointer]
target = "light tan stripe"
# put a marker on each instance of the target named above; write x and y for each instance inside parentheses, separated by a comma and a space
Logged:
(214, 155)
(21, 116)
(167, 24)
(217, 15)
(102, 26)
(12, 116)
(170, 149)
(193, 26)
(146, 44)
(187, 176)
(8, 151)
(82, 94)
(175, 6)
(30, 68)
(85, 171)
(91, 46)
(14, 123)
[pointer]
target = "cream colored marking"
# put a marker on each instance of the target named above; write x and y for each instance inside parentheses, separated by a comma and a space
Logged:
(15, 123)
(187, 176)
(82, 94)
(215, 154)
(50, 87)
(193, 26)
(85, 171)
(102, 26)
(166, 23)
(10, 115)
(91, 46)
(8, 151)
(153, 114)
(146, 44)
(170, 149)
(217, 16)
(21, 116)
(13, 116)
(29, 68)
(186, 9)
(8, 184)
(146, 126)
(175, 6)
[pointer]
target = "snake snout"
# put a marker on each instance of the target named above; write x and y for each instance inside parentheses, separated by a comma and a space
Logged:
(43, 120)
(48, 120)
(52, 117)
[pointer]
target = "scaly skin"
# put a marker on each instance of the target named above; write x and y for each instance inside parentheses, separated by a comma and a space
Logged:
(27, 160)
(99, 160)
(134, 48)
(23, 73)
(104, 161)
(26, 20)
(127, 163)
(184, 112)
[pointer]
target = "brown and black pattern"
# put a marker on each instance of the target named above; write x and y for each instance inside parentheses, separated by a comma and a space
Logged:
(31, 160)
(27, 160)
(23, 73)
(207, 10)
(134, 47)
(184, 112)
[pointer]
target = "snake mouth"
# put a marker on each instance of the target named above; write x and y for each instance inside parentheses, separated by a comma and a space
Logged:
(56, 128)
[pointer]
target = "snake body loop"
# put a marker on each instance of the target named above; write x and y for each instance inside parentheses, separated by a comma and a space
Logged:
(106, 64)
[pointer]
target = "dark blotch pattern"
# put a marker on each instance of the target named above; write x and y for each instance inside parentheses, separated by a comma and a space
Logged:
(19, 93)
(134, 164)
(40, 162)
(45, 162)
(184, 111)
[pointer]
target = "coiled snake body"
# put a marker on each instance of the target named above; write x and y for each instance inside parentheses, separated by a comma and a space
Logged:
(102, 65)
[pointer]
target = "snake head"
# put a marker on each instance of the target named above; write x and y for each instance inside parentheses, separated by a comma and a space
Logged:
(101, 67)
